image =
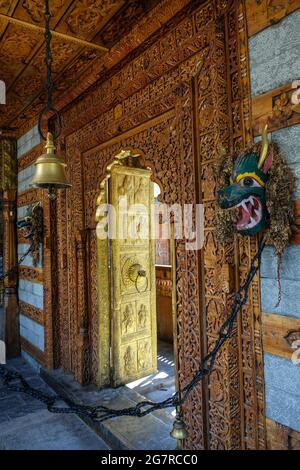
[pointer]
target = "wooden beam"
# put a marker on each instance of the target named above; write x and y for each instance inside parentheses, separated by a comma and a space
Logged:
(274, 108)
(281, 437)
(36, 353)
(295, 238)
(35, 314)
(275, 330)
(32, 274)
(63, 36)
(9, 214)
(262, 14)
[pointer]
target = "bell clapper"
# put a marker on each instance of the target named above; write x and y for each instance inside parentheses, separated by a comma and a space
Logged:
(51, 194)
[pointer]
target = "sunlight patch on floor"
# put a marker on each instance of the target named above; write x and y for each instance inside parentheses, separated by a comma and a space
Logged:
(145, 381)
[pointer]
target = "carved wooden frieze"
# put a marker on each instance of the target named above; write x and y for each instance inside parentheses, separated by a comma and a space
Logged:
(32, 312)
(32, 274)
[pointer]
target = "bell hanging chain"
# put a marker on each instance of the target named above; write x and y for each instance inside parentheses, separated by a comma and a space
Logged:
(49, 85)
(101, 413)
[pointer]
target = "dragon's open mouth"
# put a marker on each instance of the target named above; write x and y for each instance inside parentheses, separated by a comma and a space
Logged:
(250, 213)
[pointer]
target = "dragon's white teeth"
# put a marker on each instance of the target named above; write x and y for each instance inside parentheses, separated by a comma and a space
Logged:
(244, 206)
(257, 212)
(251, 200)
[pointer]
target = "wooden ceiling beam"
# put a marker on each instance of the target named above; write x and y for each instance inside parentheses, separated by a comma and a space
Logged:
(63, 36)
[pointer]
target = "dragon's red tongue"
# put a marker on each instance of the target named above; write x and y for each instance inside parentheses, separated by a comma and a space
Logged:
(244, 216)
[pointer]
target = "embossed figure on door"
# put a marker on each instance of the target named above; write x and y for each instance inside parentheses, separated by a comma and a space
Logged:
(126, 274)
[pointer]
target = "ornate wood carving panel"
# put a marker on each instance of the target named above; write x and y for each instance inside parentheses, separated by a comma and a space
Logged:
(32, 312)
(101, 24)
(177, 113)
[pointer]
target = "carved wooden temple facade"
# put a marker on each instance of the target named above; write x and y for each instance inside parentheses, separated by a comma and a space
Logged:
(171, 80)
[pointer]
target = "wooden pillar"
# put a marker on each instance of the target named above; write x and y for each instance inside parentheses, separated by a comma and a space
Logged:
(8, 186)
(12, 336)
(82, 371)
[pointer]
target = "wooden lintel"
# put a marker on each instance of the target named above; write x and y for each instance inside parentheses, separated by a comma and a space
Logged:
(276, 329)
(31, 274)
(34, 313)
(281, 437)
(275, 109)
(63, 36)
(262, 14)
(36, 353)
(295, 239)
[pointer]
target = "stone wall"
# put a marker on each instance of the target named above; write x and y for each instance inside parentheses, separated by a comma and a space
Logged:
(274, 56)
(30, 290)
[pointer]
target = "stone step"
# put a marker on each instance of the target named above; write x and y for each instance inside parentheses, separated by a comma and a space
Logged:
(152, 432)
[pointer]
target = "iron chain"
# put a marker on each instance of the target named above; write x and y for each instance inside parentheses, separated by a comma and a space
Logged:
(49, 85)
(101, 413)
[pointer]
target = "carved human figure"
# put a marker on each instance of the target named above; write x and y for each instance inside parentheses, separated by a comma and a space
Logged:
(143, 355)
(141, 192)
(142, 316)
(128, 318)
(128, 360)
(126, 188)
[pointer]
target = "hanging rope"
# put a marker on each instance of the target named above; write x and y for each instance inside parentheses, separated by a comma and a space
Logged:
(101, 413)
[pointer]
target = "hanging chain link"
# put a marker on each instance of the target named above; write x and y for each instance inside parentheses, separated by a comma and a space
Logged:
(48, 55)
(49, 85)
(101, 413)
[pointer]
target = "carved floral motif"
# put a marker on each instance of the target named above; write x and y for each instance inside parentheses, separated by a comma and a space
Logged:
(88, 14)
(35, 9)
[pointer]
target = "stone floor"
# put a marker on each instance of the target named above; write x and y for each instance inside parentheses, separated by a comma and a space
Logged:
(25, 423)
(152, 432)
(161, 384)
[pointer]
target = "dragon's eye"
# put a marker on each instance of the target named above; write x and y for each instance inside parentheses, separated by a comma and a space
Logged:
(249, 182)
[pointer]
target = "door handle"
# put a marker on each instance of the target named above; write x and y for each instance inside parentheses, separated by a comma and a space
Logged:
(135, 272)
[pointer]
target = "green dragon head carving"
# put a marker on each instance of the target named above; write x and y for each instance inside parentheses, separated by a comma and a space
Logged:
(247, 189)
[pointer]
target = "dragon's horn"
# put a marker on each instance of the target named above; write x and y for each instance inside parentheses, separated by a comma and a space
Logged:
(264, 147)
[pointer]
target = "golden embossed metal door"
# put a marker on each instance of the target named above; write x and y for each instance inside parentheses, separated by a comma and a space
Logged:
(129, 274)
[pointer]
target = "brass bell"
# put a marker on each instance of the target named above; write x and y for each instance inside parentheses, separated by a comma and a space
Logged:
(50, 170)
(179, 431)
